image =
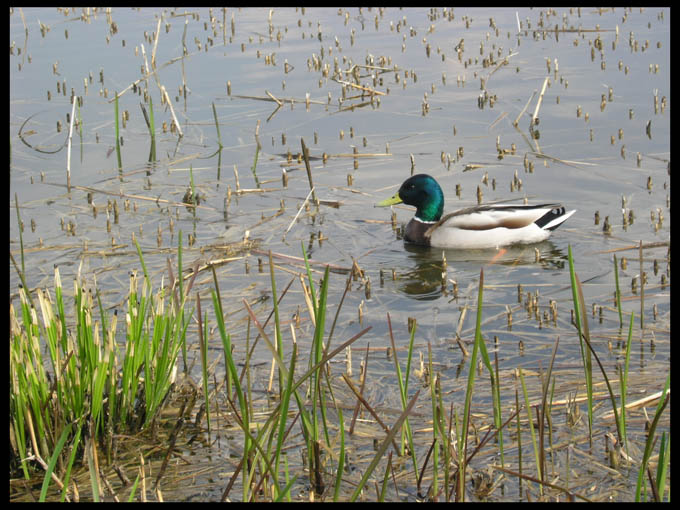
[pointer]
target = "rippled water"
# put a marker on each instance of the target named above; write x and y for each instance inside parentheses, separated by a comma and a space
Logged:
(602, 146)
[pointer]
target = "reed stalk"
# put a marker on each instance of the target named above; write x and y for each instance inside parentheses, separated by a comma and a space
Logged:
(651, 439)
(407, 435)
(530, 419)
(582, 328)
(152, 132)
(618, 292)
(118, 155)
(463, 437)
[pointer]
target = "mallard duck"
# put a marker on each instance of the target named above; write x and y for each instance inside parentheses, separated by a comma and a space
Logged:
(484, 226)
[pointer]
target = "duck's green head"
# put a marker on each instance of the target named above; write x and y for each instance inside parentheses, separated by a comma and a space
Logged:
(423, 192)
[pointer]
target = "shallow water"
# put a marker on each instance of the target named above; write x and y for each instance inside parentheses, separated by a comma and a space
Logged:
(430, 114)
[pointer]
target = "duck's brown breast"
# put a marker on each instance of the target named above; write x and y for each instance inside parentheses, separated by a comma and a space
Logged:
(415, 232)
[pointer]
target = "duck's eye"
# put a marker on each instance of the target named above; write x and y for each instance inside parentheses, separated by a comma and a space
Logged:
(411, 186)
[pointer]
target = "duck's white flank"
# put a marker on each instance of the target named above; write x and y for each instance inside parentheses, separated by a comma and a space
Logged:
(495, 226)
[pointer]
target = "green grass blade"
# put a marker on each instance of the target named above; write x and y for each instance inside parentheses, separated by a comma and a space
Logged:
(285, 403)
(286, 490)
(618, 292)
(53, 462)
(341, 457)
(623, 380)
(217, 126)
(579, 313)
(530, 419)
(462, 445)
(663, 401)
(118, 155)
(383, 447)
(662, 466)
(152, 131)
(69, 466)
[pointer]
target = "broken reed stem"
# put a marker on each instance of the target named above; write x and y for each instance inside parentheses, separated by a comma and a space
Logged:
(277, 101)
(68, 152)
(360, 87)
(155, 44)
(502, 63)
(516, 122)
(332, 267)
(164, 93)
(127, 195)
(172, 110)
(305, 155)
(298, 213)
(540, 100)
(238, 186)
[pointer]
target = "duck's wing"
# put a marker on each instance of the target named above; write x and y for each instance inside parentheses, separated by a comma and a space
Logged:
(487, 217)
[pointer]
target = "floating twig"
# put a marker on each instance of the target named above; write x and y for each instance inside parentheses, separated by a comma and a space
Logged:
(277, 101)
(282, 100)
(524, 109)
(658, 244)
(127, 195)
(333, 267)
(360, 87)
(298, 213)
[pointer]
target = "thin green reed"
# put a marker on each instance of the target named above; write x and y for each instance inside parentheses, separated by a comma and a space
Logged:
(254, 167)
(21, 240)
(618, 292)
(180, 283)
(118, 155)
(651, 439)
(582, 329)
(341, 457)
(75, 444)
(663, 466)
(318, 351)
(530, 419)
(623, 382)
(386, 479)
(217, 127)
(446, 437)
(53, 462)
(152, 131)
(203, 344)
(285, 404)
(406, 434)
(318, 399)
(383, 447)
(463, 437)
(495, 387)
(219, 142)
(435, 422)
(277, 326)
(233, 374)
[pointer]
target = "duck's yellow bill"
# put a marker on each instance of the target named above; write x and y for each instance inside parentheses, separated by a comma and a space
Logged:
(390, 201)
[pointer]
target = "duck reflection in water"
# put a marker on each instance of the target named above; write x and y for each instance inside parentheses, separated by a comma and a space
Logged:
(427, 279)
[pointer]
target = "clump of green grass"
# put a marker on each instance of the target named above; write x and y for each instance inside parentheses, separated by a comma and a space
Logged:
(85, 385)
